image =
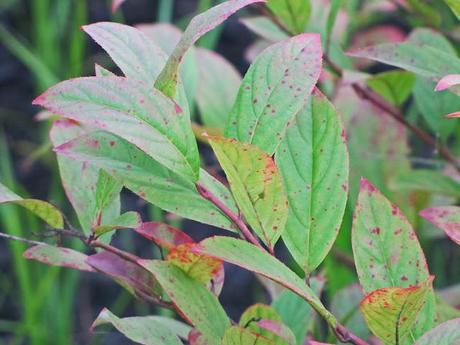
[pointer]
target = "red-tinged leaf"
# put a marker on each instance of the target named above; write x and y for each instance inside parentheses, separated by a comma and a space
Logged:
(453, 115)
(163, 235)
(282, 332)
(252, 315)
(242, 336)
(130, 109)
(58, 256)
(147, 330)
(137, 280)
(274, 90)
(252, 258)
(116, 4)
(447, 218)
(42, 209)
(196, 304)
(312, 342)
(387, 252)
(448, 333)
(256, 186)
(218, 85)
(149, 179)
(391, 312)
(198, 26)
(447, 82)
(196, 338)
(199, 267)
(80, 179)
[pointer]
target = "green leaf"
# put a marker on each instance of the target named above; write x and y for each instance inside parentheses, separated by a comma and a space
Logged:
(147, 330)
(252, 258)
(149, 179)
(447, 218)
(417, 54)
(58, 256)
(198, 26)
(167, 36)
(391, 312)
(265, 28)
(133, 111)
(295, 312)
(199, 306)
(80, 180)
(275, 88)
(128, 220)
(102, 72)
(47, 212)
(386, 250)
(292, 13)
(107, 189)
(241, 336)
(422, 180)
(394, 86)
(454, 6)
(313, 161)
(256, 186)
(447, 333)
(217, 88)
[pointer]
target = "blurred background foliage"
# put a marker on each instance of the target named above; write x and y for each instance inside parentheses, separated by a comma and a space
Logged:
(41, 43)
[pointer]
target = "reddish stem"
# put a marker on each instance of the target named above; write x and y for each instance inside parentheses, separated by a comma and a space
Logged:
(208, 195)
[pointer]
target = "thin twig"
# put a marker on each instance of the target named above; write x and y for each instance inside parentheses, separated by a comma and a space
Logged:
(379, 102)
(20, 239)
(207, 194)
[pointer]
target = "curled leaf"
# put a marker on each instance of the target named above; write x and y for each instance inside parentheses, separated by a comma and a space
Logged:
(447, 218)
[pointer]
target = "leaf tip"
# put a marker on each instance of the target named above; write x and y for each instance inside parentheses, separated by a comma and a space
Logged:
(366, 185)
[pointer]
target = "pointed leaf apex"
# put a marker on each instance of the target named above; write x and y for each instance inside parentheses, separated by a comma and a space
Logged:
(365, 184)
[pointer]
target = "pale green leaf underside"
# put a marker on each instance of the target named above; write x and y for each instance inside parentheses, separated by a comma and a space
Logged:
(80, 180)
(217, 88)
(149, 179)
(47, 212)
(265, 28)
(313, 161)
(133, 111)
(273, 91)
(145, 330)
(198, 26)
(391, 312)
(447, 333)
(196, 303)
(256, 186)
(387, 251)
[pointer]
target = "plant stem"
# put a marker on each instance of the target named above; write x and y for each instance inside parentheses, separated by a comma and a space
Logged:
(20, 239)
(207, 194)
(396, 114)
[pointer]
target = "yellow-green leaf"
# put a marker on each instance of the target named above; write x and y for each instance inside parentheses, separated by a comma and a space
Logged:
(256, 185)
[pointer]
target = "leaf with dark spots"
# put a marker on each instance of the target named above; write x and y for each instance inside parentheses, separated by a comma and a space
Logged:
(137, 280)
(163, 235)
(129, 109)
(313, 162)
(198, 26)
(199, 267)
(283, 333)
(58, 256)
(256, 186)
(195, 303)
(146, 330)
(391, 312)
(42, 209)
(387, 252)
(274, 90)
(447, 218)
(149, 179)
(237, 335)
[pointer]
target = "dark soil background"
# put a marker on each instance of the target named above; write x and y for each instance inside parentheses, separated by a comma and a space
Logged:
(17, 90)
